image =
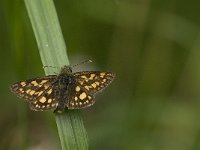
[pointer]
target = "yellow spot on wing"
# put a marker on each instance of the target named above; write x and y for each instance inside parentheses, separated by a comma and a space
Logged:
(92, 76)
(23, 83)
(32, 92)
(49, 92)
(49, 100)
(34, 83)
(28, 91)
(43, 99)
(78, 88)
(46, 87)
(102, 74)
(21, 90)
(89, 97)
(82, 96)
(40, 93)
(43, 81)
(76, 98)
(97, 83)
(81, 82)
(84, 77)
(86, 87)
(94, 85)
(36, 93)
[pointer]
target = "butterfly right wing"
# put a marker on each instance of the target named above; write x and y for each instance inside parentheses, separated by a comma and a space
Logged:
(38, 92)
(78, 97)
(85, 85)
(94, 81)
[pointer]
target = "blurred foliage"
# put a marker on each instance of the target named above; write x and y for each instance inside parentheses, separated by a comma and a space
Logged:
(152, 46)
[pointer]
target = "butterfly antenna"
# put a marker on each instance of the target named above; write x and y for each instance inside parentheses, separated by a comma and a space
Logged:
(84, 62)
(49, 66)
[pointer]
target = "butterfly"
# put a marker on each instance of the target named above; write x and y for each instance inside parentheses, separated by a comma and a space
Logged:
(65, 90)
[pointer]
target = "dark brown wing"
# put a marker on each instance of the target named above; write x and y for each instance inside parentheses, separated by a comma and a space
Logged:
(94, 81)
(38, 91)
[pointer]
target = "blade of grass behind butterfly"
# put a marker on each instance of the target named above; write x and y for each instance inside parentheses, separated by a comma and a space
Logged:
(15, 24)
(52, 50)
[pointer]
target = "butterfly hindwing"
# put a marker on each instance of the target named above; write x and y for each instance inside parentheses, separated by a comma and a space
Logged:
(79, 97)
(38, 91)
(45, 102)
(94, 81)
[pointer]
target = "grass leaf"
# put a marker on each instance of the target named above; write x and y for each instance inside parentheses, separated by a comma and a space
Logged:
(52, 50)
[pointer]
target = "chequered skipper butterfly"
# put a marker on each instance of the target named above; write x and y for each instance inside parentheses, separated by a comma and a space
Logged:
(65, 90)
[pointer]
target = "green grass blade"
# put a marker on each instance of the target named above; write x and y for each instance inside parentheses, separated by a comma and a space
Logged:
(73, 126)
(52, 50)
(48, 34)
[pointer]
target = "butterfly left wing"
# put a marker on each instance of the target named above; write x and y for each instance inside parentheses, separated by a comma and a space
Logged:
(38, 92)
(45, 102)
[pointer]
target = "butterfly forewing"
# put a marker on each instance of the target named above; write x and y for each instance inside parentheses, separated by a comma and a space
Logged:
(38, 91)
(93, 81)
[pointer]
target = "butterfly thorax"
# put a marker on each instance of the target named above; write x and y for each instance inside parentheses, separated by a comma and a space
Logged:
(66, 70)
(64, 78)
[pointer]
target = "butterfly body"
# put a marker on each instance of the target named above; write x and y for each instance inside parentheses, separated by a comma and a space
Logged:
(65, 90)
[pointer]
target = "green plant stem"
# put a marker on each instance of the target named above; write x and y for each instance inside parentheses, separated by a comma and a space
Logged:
(52, 50)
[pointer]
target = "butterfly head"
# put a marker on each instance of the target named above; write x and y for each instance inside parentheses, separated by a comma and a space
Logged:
(66, 70)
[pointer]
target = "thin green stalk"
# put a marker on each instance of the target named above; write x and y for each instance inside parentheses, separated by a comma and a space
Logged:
(16, 27)
(52, 50)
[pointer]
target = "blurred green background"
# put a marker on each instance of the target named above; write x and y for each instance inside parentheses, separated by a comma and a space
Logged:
(152, 46)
